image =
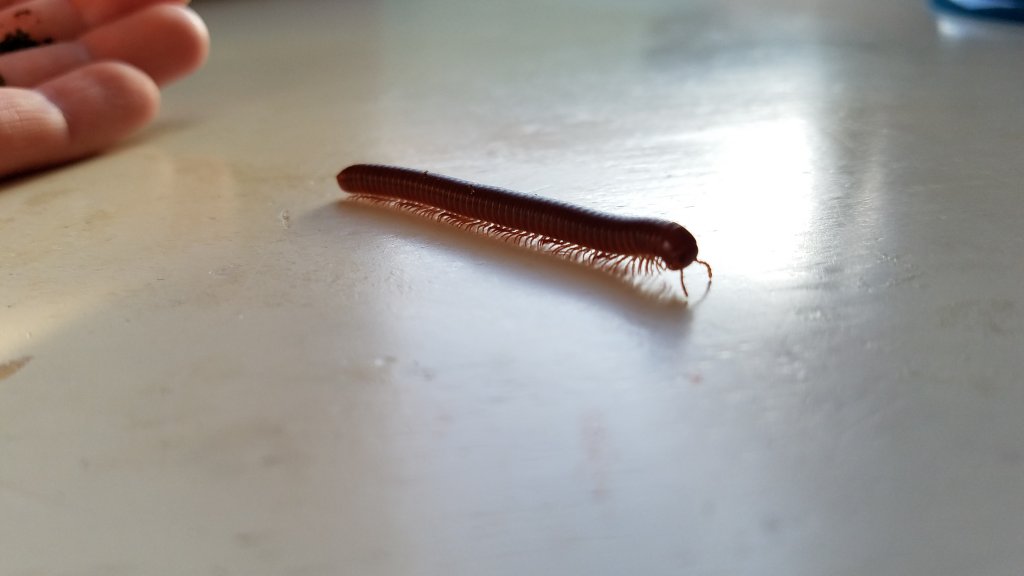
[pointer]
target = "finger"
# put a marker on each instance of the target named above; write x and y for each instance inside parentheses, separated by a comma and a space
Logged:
(73, 115)
(31, 67)
(96, 12)
(165, 41)
(38, 22)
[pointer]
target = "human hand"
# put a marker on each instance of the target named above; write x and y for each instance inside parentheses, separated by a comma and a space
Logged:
(76, 76)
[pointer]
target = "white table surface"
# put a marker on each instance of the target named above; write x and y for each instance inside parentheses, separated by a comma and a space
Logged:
(210, 366)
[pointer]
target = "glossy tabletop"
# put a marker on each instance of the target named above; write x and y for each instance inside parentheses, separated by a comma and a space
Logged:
(211, 364)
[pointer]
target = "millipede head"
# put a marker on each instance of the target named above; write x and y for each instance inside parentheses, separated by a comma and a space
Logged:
(678, 248)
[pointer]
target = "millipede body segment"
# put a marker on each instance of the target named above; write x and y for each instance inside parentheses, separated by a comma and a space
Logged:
(595, 237)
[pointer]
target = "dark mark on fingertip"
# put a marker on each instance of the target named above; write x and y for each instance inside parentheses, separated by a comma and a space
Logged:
(20, 40)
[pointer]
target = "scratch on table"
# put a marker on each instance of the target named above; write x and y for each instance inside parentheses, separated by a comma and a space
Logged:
(11, 368)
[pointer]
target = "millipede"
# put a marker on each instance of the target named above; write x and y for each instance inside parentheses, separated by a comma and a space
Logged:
(607, 241)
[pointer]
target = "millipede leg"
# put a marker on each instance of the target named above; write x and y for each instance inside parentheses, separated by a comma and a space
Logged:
(706, 265)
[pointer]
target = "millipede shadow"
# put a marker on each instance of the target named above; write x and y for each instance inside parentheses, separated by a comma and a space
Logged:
(643, 293)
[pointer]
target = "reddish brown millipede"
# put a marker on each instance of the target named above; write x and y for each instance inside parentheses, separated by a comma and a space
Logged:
(605, 240)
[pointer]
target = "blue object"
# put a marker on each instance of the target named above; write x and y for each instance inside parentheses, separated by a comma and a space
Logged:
(1002, 9)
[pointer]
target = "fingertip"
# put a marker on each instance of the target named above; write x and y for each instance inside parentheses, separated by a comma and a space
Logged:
(194, 24)
(166, 41)
(103, 103)
(192, 41)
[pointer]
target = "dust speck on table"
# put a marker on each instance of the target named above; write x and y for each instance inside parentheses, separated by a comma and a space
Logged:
(11, 368)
